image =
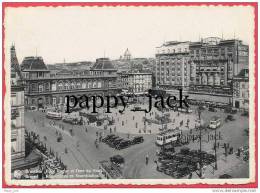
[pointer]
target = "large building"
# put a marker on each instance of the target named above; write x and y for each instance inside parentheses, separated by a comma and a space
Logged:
(241, 90)
(46, 88)
(215, 62)
(173, 65)
(204, 67)
(17, 112)
(135, 82)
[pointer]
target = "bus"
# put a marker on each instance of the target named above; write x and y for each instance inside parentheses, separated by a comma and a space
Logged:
(168, 136)
(215, 122)
(54, 115)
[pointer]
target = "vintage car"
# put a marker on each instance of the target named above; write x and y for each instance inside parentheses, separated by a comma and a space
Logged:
(230, 110)
(182, 170)
(107, 138)
(117, 159)
(123, 144)
(229, 118)
(115, 142)
(136, 140)
(111, 139)
(71, 120)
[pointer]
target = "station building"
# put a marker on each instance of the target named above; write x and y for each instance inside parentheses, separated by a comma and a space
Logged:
(46, 88)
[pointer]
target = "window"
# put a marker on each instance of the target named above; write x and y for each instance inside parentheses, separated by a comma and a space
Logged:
(73, 85)
(40, 88)
(47, 86)
(66, 86)
(40, 74)
(61, 100)
(34, 87)
(60, 86)
(78, 85)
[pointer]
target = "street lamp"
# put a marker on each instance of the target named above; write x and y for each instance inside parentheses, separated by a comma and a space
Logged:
(216, 166)
(199, 113)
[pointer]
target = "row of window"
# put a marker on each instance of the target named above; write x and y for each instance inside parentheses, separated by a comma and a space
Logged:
(66, 86)
(177, 50)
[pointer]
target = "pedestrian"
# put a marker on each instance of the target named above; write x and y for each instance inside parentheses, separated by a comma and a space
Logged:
(231, 150)
(218, 145)
(238, 152)
(86, 129)
(146, 159)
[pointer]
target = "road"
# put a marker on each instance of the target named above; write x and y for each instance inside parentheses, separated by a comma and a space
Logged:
(83, 154)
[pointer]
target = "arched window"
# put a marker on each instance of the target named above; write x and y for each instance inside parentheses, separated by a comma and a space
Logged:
(60, 86)
(73, 85)
(99, 84)
(40, 87)
(66, 87)
(84, 84)
(90, 85)
(78, 85)
(94, 84)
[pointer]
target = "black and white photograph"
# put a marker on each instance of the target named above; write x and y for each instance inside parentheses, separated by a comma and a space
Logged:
(129, 95)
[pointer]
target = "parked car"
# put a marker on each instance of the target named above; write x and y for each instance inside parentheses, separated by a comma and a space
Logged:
(138, 139)
(115, 142)
(70, 120)
(107, 138)
(111, 140)
(229, 118)
(123, 144)
(230, 110)
(117, 159)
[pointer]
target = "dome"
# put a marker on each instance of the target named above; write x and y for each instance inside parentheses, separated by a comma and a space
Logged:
(33, 63)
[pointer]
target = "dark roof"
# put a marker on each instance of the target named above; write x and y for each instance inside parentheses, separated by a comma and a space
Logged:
(33, 63)
(243, 74)
(103, 64)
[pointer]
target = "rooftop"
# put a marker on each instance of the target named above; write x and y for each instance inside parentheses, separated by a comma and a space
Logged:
(103, 64)
(33, 63)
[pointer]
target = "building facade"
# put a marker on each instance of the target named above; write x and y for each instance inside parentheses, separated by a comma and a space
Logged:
(135, 82)
(205, 67)
(17, 112)
(173, 65)
(241, 90)
(44, 88)
(214, 63)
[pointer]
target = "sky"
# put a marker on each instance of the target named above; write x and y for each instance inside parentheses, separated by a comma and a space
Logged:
(87, 33)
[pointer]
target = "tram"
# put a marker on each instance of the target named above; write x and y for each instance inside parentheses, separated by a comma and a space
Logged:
(54, 115)
(168, 136)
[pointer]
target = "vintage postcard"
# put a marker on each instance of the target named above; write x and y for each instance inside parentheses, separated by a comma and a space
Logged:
(130, 94)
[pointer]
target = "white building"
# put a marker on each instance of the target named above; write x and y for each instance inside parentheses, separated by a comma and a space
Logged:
(173, 65)
(136, 82)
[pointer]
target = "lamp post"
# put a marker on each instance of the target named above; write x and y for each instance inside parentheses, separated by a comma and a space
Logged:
(216, 165)
(199, 113)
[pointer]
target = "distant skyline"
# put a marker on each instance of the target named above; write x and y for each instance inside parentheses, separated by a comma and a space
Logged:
(86, 33)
